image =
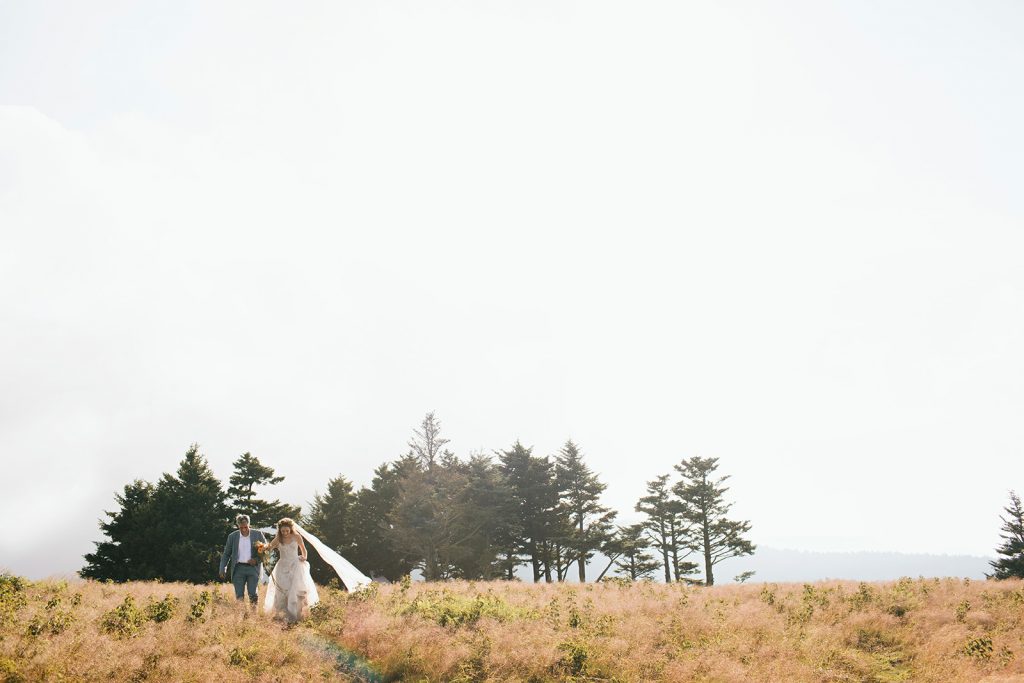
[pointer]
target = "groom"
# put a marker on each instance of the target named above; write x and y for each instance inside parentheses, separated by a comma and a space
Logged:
(240, 558)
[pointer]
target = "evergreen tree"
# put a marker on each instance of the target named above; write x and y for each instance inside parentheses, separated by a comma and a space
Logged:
(488, 524)
(127, 555)
(173, 531)
(434, 515)
(534, 497)
(191, 521)
(631, 543)
(373, 548)
(545, 521)
(427, 444)
(249, 473)
(426, 514)
(661, 513)
(679, 534)
(330, 519)
(513, 465)
(580, 491)
(1011, 564)
(704, 509)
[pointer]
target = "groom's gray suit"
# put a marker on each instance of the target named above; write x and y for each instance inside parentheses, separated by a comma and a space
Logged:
(246, 575)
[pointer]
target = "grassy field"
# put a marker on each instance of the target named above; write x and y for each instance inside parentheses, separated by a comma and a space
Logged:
(911, 630)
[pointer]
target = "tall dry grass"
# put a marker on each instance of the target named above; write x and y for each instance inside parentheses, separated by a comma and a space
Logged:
(88, 631)
(910, 630)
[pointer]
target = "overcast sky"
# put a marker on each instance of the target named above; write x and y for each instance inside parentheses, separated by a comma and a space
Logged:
(788, 235)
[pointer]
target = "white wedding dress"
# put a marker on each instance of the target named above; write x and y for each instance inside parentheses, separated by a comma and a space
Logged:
(291, 589)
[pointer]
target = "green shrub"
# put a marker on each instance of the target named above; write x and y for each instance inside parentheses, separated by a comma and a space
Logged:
(448, 609)
(979, 648)
(52, 622)
(962, 609)
(896, 609)
(9, 671)
(12, 596)
(248, 657)
(574, 659)
(161, 610)
(197, 611)
(125, 620)
(864, 596)
(244, 656)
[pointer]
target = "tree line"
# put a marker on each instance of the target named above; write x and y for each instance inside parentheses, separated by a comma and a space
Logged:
(480, 517)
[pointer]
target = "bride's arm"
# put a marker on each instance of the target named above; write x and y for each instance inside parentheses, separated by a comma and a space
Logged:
(273, 544)
(302, 548)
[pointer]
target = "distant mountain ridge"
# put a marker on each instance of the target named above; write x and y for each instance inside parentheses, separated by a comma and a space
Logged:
(783, 565)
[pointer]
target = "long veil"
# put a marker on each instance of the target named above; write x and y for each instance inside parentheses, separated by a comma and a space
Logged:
(352, 578)
(349, 575)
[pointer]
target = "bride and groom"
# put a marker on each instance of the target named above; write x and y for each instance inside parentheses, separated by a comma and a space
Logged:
(290, 590)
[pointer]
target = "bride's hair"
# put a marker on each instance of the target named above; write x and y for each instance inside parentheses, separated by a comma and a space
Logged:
(286, 522)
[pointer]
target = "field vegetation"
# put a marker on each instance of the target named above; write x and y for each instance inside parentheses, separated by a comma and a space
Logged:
(945, 630)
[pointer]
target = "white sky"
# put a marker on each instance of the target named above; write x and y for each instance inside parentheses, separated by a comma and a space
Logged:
(785, 234)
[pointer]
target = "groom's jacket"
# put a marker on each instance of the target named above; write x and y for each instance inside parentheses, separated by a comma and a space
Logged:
(229, 558)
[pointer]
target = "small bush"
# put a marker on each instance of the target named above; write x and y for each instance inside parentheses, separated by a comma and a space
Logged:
(53, 620)
(448, 609)
(962, 609)
(125, 620)
(896, 609)
(197, 611)
(12, 596)
(979, 648)
(864, 596)
(161, 610)
(574, 659)
(368, 593)
(244, 656)
(9, 671)
(52, 623)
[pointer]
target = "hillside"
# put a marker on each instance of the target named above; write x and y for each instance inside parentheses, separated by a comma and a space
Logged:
(913, 629)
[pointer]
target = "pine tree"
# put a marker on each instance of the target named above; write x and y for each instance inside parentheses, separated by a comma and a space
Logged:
(127, 555)
(173, 531)
(249, 473)
(373, 549)
(427, 444)
(425, 513)
(580, 492)
(658, 506)
(514, 466)
(1011, 564)
(631, 543)
(534, 494)
(330, 519)
(488, 524)
(191, 521)
(705, 509)
(434, 515)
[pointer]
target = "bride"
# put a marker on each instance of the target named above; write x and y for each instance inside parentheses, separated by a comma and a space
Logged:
(291, 590)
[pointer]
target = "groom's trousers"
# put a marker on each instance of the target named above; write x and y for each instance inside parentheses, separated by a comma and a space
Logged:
(245, 576)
